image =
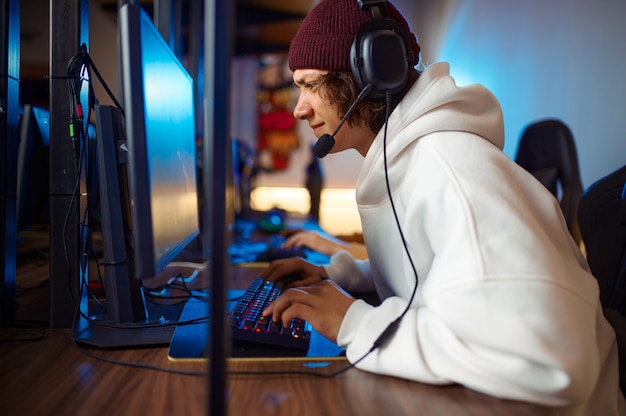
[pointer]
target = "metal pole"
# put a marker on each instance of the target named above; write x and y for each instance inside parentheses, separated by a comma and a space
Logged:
(9, 139)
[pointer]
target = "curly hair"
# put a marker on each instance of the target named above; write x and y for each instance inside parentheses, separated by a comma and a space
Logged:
(341, 89)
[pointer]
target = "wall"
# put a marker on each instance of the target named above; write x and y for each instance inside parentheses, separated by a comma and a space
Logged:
(559, 58)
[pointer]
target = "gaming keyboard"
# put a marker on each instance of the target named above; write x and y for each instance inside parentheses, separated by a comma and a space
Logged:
(248, 324)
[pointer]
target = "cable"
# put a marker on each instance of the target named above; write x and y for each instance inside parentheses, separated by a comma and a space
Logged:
(66, 222)
(178, 282)
(136, 364)
(393, 326)
(78, 70)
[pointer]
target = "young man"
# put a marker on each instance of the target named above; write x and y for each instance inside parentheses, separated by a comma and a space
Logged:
(480, 281)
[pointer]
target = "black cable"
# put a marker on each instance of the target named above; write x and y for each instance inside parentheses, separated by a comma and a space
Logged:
(79, 136)
(178, 282)
(395, 214)
(136, 364)
(79, 66)
(66, 222)
(104, 84)
(98, 272)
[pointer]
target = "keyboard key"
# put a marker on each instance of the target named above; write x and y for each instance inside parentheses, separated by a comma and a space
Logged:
(248, 324)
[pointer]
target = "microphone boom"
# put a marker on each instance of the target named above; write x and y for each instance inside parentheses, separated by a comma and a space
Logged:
(325, 143)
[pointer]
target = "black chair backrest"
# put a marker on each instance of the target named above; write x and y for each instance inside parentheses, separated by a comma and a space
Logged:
(602, 219)
(548, 151)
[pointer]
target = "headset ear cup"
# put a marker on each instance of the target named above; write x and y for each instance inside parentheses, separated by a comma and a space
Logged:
(379, 56)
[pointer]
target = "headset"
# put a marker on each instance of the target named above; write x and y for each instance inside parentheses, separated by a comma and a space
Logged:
(381, 52)
(380, 59)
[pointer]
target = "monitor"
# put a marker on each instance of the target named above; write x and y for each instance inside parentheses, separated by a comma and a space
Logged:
(160, 128)
(148, 185)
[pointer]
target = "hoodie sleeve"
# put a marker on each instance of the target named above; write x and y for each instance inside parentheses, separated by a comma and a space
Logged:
(352, 275)
(504, 350)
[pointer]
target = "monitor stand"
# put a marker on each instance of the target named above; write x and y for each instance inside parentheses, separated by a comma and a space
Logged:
(128, 320)
(99, 331)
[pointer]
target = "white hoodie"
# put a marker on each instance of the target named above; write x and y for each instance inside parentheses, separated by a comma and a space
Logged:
(505, 304)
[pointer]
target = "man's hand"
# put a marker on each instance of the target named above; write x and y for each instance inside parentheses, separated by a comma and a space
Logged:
(323, 305)
(309, 273)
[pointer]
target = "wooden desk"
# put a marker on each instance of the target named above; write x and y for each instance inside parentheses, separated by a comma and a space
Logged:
(52, 377)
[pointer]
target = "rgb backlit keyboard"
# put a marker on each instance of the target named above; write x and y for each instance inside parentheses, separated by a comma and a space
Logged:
(248, 324)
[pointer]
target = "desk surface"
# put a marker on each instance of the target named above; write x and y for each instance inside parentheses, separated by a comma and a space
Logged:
(52, 377)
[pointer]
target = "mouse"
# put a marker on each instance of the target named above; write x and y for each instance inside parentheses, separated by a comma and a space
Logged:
(273, 221)
(276, 252)
(287, 279)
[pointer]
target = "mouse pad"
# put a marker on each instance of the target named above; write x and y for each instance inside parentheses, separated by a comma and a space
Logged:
(190, 339)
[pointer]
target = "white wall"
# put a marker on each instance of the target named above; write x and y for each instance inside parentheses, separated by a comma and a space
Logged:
(559, 58)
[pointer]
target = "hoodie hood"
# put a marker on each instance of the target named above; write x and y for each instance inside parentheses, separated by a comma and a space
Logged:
(436, 104)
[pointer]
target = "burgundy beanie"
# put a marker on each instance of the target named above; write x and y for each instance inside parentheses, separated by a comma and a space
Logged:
(324, 39)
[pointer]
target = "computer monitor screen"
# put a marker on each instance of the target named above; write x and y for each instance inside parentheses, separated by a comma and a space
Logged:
(158, 96)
